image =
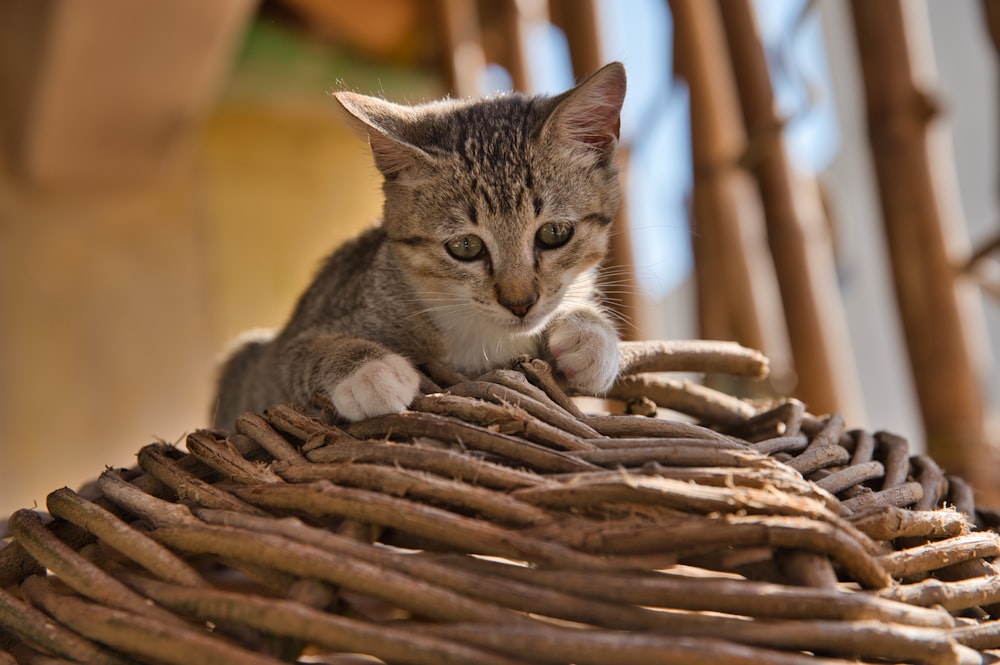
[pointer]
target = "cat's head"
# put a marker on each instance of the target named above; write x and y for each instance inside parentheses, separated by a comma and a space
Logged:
(495, 206)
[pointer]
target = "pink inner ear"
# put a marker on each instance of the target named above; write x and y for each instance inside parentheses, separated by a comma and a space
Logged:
(593, 115)
(596, 126)
(597, 131)
(391, 157)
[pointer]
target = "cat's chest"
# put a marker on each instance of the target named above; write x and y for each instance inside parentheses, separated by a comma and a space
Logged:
(473, 348)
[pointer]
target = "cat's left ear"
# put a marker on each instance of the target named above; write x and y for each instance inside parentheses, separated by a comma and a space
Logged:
(381, 121)
(589, 115)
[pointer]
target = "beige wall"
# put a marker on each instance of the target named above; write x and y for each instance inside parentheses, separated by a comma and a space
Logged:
(116, 296)
(114, 304)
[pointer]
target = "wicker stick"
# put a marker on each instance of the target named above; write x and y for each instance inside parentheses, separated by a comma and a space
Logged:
(942, 553)
(982, 636)
(851, 476)
(864, 447)
(165, 641)
(900, 495)
(590, 647)
(291, 420)
(639, 426)
(675, 494)
(495, 589)
(156, 511)
(457, 431)
(889, 522)
(685, 397)
(675, 452)
(507, 419)
(539, 373)
(953, 596)
(549, 412)
(621, 442)
(78, 573)
(350, 573)
(520, 380)
(153, 460)
(152, 556)
(26, 621)
(257, 429)
(782, 444)
(446, 463)
(895, 450)
(692, 356)
(739, 597)
(495, 506)
(323, 499)
(225, 459)
(785, 419)
(861, 639)
(932, 480)
(289, 619)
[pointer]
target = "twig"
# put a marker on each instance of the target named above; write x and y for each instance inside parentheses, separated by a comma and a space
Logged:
(692, 356)
(686, 397)
(457, 431)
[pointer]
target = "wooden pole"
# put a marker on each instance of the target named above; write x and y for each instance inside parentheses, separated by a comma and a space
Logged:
(464, 50)
(900, 112)
(578, 19)
(515, 24)
(736, 293)
(797, 233)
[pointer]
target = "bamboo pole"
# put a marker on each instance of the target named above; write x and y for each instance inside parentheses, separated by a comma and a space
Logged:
(464, 54)
(736, 293)
(797, 233)
(579, 21)
(987, 282)
(516, 19)
(900, 112)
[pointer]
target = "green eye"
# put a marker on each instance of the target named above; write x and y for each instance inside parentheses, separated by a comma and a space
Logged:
(554, 234)
(465, 248)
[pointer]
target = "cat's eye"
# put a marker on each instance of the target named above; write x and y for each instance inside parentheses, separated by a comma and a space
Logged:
(554, 234)
(465, 248)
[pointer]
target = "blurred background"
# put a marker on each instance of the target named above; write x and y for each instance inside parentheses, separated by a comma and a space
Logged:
(815, 178)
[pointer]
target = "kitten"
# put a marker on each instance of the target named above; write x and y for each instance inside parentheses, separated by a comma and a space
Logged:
(497, 214)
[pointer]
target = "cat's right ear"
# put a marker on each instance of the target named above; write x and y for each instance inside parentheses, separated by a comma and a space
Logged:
(589, 115)
(380, 120)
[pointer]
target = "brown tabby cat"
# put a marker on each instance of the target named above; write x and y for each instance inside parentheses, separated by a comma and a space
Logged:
(497, 213)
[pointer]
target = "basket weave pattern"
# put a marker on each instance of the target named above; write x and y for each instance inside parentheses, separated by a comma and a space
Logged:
(495, 523)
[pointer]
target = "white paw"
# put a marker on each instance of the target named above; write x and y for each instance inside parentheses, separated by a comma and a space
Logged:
(385, 385)
(586, 352)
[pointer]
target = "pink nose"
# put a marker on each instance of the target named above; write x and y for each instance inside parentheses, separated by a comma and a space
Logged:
(520, 308)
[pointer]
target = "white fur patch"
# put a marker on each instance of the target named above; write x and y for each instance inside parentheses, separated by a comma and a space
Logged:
(476, 345)
(382, 386)
(252, 336)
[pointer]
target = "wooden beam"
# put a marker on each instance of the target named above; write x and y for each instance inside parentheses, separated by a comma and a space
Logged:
(736, 291)
(900, 113)
(797, 233)
(464, 49)
(578, 19)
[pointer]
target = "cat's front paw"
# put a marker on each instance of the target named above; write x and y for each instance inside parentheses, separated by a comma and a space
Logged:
(585, 350)
(384, 385)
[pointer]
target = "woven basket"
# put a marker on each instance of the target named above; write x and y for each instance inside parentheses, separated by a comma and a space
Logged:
(495, 523)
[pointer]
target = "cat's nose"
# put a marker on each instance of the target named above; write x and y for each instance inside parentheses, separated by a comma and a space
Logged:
(520, 308)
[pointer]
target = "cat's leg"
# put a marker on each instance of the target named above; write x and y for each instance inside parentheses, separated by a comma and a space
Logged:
(238, 389)
(583, 343)
(361, 378)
